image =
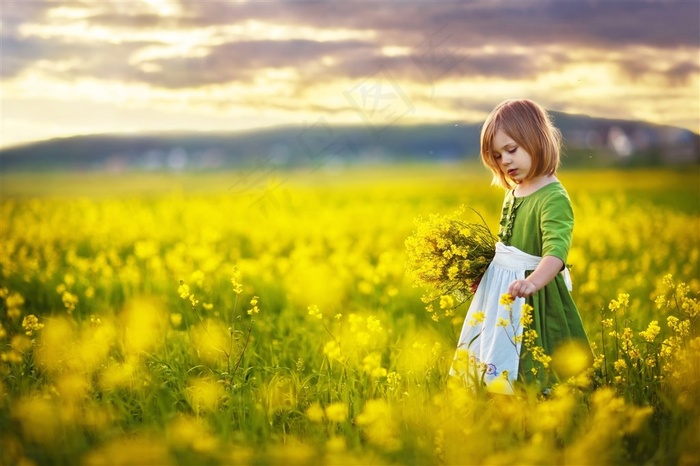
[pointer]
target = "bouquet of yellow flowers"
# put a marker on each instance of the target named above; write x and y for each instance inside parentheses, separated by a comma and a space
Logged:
(447, 256)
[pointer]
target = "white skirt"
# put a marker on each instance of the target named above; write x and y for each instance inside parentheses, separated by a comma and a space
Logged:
(488, 349)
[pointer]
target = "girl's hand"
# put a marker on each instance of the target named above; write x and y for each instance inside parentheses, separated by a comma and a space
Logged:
(521, 289)
(545, 272)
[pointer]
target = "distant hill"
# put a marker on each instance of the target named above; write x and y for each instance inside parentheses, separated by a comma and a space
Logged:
(588, 141)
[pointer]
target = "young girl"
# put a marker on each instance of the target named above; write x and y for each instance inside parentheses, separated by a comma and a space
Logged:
(521, 147)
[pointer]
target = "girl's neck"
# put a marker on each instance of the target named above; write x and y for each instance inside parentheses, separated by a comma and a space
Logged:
(528, 187)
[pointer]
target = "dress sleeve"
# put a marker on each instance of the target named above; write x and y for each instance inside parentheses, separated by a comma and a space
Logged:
(556, 225)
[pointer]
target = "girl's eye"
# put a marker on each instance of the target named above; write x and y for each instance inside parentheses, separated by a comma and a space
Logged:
(511, 151)
(497, 156)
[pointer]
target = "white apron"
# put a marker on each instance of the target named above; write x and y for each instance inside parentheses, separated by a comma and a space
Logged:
(488, 351)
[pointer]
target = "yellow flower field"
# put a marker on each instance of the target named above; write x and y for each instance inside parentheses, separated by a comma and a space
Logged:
(205, 319)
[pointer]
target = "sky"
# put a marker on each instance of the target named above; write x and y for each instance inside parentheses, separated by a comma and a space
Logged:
(106, 66)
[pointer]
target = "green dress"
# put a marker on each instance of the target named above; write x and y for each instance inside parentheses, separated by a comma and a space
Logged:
(541, 224)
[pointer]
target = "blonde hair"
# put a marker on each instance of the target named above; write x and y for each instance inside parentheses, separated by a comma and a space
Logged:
(531, 127)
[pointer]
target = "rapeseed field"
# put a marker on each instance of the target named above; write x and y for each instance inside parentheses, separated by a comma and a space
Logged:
(214, 319)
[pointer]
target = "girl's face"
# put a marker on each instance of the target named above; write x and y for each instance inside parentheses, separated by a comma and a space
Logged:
(511, 158)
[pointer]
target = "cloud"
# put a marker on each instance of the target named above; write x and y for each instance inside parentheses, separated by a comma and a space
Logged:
(682, 72)
(15, 13)
(17, 54)
(611, 23)
(239, 61)
(619, 23)
(135, 21)
(439, 38)
(289, 57)
(68, 59)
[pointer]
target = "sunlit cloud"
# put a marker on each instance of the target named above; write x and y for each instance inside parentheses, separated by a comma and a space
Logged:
(279, 62)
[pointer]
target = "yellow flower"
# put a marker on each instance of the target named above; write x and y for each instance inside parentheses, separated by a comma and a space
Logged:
(620, 365)
(393, 379)
(193, 301)
(183, 290)
(668, 280)
(372, 364)
(476, 317)
(69, 301)
(373, 324)
(314, 312)
(672, 322)
(446, 302)
(254, 310)
(378, 423)
(14, 300)
(337, 412)
(571, 359)
(623, 300)
(31, 324)
(526, 317)
(332, 350)
(680, 327)
(446, 253)
(660, 301)
(651, 332)
(197, 277)
(506, 300)
(452, 272)
(236, 281)
(336, 444)
(314, 412)
(502, 322)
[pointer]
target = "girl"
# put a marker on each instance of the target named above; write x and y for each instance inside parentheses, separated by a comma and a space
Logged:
(521, 147)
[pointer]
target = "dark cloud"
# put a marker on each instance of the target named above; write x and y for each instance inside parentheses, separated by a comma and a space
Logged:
(417, 66)
(682, 72)
(442, 38)
(350, 15)
(619, 23)
(15, 13)
(134, 21)
(678, 74)
(612, 23)
(240, 61)
(99, 60)
(18, 53)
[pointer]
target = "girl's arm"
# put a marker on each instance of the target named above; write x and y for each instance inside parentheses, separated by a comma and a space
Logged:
(545, 272)
(556, 225)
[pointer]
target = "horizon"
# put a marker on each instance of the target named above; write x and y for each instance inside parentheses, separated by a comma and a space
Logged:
(168, 66)
(283, 126)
